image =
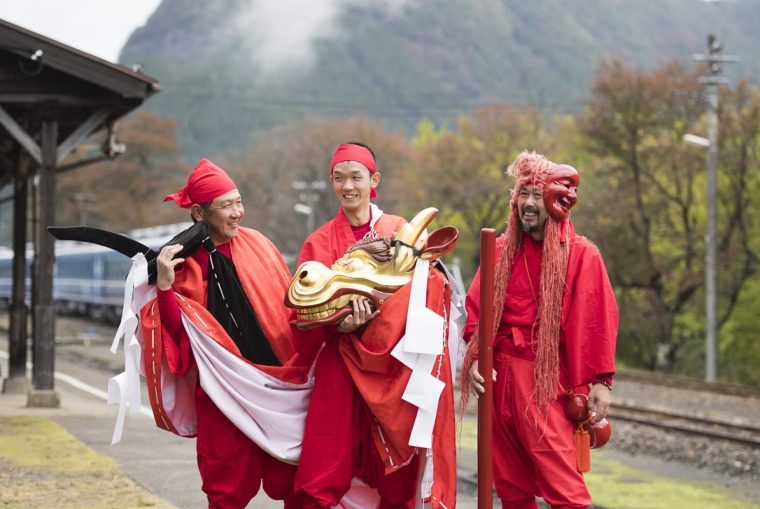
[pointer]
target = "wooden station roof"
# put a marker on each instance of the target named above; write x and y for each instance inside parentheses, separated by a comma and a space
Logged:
(38, 73)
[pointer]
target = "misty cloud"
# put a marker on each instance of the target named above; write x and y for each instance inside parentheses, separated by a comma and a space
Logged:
(281, 33)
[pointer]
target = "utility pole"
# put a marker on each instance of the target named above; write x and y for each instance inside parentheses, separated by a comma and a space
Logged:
(715, 60)
(309, 193)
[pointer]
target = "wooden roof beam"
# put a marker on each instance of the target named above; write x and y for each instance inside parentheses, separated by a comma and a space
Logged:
(20, 136)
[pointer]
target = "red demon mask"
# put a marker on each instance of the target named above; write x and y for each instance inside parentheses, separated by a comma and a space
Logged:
(560, 191)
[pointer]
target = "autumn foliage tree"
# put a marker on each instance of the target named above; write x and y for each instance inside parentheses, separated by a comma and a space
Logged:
(651, 206)
(127, 192)
(268, 174)
(462, 173)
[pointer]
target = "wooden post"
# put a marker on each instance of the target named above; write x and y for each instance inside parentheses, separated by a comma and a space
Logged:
(43, 328)
(17, 328)
(485, 367)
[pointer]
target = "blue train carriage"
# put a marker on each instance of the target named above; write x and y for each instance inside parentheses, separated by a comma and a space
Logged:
(89, 280)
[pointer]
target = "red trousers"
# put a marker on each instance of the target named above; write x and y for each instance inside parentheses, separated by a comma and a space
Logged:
(232, 466)
(533, 453)
(338, 443)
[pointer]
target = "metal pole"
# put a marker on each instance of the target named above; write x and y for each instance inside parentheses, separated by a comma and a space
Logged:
(715, 60)
(485, 367)
(711, 251)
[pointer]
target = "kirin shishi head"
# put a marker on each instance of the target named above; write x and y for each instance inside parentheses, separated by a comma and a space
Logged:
(373, 268)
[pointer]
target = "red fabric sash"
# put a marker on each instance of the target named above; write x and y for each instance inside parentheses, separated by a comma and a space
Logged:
(265, 279)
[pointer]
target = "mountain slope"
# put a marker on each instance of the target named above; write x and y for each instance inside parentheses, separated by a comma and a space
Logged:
(232, 68)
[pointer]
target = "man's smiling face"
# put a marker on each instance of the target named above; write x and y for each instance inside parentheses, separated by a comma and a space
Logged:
(353, 184)
(530, 209)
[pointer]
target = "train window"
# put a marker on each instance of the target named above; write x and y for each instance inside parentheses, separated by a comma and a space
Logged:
(116, 266)
(75, 266)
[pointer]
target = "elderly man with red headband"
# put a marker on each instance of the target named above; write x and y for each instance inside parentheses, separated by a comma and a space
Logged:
(338, 445)
(555, 331)
(215, 323)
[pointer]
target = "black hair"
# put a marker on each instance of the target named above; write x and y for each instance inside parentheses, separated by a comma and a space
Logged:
(205, 207)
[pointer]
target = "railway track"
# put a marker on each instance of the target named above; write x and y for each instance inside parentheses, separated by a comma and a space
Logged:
(693, 384)
(735, 432)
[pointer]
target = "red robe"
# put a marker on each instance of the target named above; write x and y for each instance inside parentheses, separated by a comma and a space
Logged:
(372, 414)
(232, 466)
(589, 311)
(534, 452)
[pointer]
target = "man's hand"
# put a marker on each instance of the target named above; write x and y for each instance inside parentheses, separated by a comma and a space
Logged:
(477, 381)
(362, 314)
(165, 263)
(599, 399)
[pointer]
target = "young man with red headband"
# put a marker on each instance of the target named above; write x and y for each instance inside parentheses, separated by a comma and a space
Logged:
(214, 316)
(338, 444)
(555, 331)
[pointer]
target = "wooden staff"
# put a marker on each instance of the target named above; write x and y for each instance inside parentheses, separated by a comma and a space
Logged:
(485, 367)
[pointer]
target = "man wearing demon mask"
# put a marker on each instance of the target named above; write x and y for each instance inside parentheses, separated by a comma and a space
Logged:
(555, 331)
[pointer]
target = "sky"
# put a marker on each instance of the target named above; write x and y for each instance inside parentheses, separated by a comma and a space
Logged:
(98, 27)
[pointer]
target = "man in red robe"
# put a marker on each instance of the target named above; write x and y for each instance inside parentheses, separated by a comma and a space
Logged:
(555, 331)
(343, 423)
(240, 320)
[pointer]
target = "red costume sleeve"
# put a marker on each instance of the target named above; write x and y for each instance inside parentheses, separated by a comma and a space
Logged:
(472, 306)
(381, 380)
(590, 316)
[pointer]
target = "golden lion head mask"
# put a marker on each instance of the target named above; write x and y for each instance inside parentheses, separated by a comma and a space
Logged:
(374, 269)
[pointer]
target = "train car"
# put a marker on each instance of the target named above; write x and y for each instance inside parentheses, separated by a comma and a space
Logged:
(88, 280)
(6, 275)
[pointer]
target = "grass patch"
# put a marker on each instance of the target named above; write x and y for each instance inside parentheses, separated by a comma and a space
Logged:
(43, 465)
(467, 436)
(616, 486)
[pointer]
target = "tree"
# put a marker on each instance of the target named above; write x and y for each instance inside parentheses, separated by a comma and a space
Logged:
(126, 192)
(651, 208)
(462, 173)
(738, 280)
(301, 152)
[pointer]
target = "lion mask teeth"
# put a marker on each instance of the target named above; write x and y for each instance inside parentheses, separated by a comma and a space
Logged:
(325, 310)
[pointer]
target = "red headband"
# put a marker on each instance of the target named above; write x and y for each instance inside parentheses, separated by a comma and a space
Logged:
(351, 152)
(206, 182)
